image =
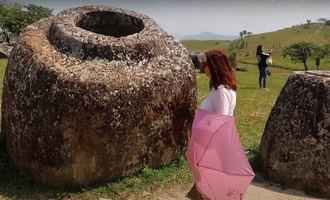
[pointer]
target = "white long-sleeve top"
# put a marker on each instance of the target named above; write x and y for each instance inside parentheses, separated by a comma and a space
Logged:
(221, 101)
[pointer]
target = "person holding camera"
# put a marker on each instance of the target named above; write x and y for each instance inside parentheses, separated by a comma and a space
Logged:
(262, 65)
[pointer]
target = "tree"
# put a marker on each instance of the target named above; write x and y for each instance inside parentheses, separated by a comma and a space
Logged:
(327, 22)
(308, 21)
(327, 47)
(322, 20)
(35, 13)
(232, 59)
(241, 35)
(299, 52)
(11, 18)
(14, 17)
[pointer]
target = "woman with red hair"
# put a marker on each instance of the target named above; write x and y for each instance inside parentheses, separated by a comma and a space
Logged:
(222, 96)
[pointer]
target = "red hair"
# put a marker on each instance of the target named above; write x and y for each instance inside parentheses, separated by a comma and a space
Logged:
(222, 72)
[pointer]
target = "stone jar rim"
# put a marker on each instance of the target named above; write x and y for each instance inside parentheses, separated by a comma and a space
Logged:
(65, 27)
(318, 73)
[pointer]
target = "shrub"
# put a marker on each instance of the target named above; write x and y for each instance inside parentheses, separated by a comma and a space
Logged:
(232, 58)
(327, 22)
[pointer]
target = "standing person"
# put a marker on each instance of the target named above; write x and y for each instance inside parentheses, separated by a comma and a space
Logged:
(262, 65)
(223, 153)
(222, 96)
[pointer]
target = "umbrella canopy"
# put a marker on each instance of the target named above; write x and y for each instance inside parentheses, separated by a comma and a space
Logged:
(216, 157)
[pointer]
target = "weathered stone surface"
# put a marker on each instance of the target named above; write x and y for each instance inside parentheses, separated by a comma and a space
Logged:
(5, 50)
(2, 142)
(197, 58)
(95, 93)
(295, 146)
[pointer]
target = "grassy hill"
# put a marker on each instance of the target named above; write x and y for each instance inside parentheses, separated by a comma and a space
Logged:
(206, 45)
(277, 40)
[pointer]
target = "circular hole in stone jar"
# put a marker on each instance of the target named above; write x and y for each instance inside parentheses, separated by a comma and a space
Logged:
(111, 23)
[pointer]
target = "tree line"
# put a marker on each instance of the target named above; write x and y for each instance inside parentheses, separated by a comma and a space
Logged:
(301, 51)
(244, 33)
(14, 17)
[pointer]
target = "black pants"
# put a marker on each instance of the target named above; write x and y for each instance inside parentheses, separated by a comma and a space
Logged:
(262, 76)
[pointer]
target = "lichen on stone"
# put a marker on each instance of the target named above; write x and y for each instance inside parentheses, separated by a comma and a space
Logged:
(295, 146)
(87, 99)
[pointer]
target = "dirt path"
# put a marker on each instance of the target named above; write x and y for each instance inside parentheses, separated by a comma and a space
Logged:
(260, 189)
(255, 192)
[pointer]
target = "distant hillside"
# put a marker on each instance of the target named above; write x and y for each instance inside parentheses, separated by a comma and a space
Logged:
(208, 36)
(199, 45)
(277, 40)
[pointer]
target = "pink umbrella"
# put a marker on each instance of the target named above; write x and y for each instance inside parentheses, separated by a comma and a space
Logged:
(217, 159)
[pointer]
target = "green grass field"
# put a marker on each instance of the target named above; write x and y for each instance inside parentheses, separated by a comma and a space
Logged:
(3, 63)
(253, 104)
(253, 108)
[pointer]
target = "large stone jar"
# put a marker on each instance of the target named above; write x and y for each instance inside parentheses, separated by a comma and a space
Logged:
(96, 93)
(295, 146)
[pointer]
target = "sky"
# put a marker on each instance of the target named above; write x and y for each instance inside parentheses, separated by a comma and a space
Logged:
(225, 17)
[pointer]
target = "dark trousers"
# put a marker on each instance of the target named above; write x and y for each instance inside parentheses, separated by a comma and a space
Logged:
(262, 76)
